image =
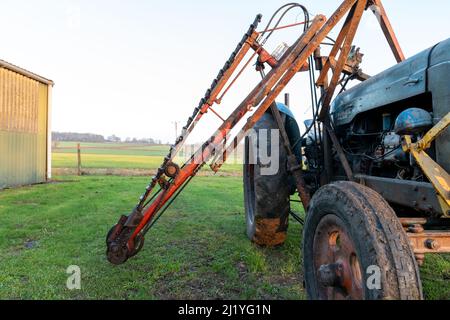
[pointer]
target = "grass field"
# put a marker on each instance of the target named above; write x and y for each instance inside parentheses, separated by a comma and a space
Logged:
(118, 156)
(113, 149)
(197, 250)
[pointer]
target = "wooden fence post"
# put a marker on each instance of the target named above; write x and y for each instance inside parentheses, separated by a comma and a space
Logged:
(287, 100)
(79, 158)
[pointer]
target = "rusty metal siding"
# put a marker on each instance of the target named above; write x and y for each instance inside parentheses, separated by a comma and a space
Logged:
(23, 129)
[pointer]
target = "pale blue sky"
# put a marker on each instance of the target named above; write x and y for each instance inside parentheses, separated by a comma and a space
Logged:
(133, 67)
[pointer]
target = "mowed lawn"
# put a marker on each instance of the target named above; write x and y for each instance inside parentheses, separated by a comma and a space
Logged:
(197, 250)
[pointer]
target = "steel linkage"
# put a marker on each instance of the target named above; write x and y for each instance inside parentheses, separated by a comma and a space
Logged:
(126, 238)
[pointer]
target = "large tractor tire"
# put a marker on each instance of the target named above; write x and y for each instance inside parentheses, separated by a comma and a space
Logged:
(354, 247)
(266, 197)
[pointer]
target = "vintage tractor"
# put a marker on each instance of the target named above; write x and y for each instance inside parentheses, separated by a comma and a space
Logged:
(392, 207)
(370, 168)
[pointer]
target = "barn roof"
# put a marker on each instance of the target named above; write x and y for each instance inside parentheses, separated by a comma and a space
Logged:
(26, 73)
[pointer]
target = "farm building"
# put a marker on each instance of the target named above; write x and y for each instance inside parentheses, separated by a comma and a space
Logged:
(25, 139)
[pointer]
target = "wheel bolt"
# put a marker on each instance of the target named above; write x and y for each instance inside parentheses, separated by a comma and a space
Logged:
(329, 275)
(432, 244)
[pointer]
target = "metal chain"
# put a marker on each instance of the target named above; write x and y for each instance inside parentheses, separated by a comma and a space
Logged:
(202, 102)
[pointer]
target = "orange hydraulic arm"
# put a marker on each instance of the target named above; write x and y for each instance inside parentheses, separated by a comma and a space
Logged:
(126, 238)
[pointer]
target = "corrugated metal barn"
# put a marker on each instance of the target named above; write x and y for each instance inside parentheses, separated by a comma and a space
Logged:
(25, 137)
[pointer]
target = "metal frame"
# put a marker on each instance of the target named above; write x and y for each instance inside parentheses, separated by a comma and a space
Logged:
(337, 65)
(262, 97)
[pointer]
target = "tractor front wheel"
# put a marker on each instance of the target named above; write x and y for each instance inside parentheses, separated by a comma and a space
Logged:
(355, 248)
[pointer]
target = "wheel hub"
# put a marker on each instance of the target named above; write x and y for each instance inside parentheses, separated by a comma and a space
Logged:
(117, 254)
(338, 272)
(330, 275)
(118, 250)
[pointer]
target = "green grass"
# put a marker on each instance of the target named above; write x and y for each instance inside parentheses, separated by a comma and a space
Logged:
(96, 161)
(113, 149)
(197, 250)
(120, 156)
(115, 161)
(435, 276)
(73, 144)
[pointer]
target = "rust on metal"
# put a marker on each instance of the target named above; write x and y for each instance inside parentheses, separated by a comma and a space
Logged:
(264, 56)
(289, 62)
(213, 96)
(330, 61)
(336, 261)
(407, 222)
(430, 242)
(248, 44)
(388, 30)
(217, 114)
(172, 170)
(295, 167)
(348, 34)
(340, 151)
(254, 98)
(415, 228)
(309, 48)
(427, 242)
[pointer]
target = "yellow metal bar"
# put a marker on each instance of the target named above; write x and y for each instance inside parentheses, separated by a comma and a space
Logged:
(445, 206)
(435, 173)
(425, 143)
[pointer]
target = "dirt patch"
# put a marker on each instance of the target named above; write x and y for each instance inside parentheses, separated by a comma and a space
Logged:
(285, 281)
(242, 270)
(173, 286)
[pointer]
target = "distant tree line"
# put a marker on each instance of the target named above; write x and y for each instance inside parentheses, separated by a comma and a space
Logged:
(90, 137)
(80, 137)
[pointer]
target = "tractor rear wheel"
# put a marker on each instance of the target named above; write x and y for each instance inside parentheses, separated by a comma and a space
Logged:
(266, 197)
(354, 247)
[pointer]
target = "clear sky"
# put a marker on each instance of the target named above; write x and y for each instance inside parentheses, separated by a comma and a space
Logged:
(132, 68)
